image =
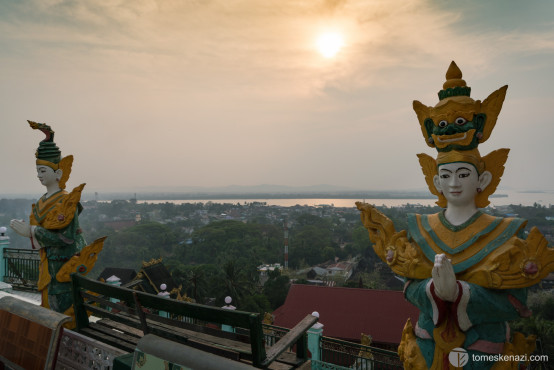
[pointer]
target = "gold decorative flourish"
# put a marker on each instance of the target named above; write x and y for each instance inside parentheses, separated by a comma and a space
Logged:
(516, 264)
(494, 163)
(366, 340)
(491, 106)
(429, 168)
(140, 359)
(152, 262)
(423, 112)
(520, 346)
(86, 257)
(409, 351)
(63, 212)
(65, 165)
(447, 336)
(71, 313)
(44, 277)
(268, 318)
(394, 248)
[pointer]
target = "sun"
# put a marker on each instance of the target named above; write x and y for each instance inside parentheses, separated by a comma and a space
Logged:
(329, 44)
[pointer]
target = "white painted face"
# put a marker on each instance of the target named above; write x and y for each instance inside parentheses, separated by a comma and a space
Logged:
(458, 183)
(47, 176)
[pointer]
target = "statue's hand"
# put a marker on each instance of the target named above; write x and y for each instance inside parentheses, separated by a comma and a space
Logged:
(444, 279)
(21, 227)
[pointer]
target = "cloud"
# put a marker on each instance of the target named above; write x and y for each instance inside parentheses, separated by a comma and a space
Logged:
(199, 90)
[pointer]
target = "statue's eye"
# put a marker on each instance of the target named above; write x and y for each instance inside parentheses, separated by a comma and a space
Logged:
(460, 121)
(443, 123)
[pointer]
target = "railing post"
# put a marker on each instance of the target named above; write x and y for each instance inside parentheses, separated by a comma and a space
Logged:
(164, 294)
(113, 280)
(4, 243)
(314, 338)
(228, 306)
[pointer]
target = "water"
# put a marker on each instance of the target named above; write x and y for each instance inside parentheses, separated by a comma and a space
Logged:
(511, 197)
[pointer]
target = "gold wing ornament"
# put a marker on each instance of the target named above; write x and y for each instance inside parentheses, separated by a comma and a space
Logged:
(393, 247)
(63, 212)
(429, 168)
(423, 112)
(494, 163)
(491, 106)
(81, 262)
(65, 165)
(519, 263)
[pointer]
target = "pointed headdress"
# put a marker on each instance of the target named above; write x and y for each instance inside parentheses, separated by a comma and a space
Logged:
(455, 126)
(48, 153)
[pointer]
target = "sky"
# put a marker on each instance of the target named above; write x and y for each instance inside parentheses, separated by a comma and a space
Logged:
(212, 93)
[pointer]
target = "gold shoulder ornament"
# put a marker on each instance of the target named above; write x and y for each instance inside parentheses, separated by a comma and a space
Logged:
(63, 212)
(81, 262)
(517, 264)
(393, 247)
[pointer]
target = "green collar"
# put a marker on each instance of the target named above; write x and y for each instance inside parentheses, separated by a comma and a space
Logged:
(451, 227)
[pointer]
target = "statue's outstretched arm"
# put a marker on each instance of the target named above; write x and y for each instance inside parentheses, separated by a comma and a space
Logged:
(393, 247)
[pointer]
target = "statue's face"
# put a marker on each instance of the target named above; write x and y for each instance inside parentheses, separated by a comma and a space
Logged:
(46, 175)
(455, 126)
(458, 182)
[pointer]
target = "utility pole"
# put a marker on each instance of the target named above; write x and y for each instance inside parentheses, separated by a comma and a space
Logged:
(286, 244)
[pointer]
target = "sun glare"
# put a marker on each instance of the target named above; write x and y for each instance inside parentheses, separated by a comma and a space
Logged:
(329, 44)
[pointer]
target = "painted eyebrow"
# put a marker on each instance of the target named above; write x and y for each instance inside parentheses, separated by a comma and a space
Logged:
(444, 169)
(462, 168)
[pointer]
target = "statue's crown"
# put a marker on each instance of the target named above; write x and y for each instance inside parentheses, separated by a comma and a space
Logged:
(457, 122)
(455, 127)
(454, 85)
(48, 153)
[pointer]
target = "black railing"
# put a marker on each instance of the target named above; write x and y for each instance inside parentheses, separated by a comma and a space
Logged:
(351, 355)
(21, 268)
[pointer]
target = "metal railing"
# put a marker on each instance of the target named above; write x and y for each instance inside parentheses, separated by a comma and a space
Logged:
(273, 333)
(351, 355)
(21, 268)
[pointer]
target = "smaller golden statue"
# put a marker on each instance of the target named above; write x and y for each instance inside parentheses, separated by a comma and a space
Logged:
(54, 228)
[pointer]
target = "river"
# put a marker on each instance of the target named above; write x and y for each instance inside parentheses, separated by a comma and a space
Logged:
(506, 198)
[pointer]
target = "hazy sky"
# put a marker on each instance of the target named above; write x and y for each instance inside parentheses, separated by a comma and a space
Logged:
(220, 92)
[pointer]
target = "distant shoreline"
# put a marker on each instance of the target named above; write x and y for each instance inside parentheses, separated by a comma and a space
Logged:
(171, 196)
(227, 196)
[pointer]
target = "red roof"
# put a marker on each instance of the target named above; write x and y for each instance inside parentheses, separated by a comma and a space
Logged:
(348, 312)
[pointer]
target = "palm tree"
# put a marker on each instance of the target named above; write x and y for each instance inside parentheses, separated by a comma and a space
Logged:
(237, 284)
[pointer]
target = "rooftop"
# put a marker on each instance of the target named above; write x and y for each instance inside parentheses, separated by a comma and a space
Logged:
(348, 312)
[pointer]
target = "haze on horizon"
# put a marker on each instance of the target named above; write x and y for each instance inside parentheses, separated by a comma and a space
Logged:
(213, 93)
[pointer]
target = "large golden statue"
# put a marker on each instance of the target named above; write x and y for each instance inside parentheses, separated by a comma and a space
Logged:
(54, 227)
(467, 271)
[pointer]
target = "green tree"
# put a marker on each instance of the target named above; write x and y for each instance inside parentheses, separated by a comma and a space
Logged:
(236, 282)
(276, 289)
(541, 323)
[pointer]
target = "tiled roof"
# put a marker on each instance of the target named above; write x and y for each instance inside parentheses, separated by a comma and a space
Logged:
(348, 312)
(158, 274)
